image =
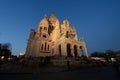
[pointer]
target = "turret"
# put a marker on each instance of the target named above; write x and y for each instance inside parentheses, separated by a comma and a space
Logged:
(43, 27)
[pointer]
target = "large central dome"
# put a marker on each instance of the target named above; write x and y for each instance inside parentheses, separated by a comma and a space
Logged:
(53, 18)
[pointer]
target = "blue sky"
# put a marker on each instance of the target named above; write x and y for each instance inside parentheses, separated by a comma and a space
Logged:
(97, 20)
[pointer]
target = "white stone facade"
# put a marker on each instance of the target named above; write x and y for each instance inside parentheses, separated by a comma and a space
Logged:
(54, 39)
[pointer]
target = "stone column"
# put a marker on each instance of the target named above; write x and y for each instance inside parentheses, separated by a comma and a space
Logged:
(56, 51)
(63, 49)
(72, 51)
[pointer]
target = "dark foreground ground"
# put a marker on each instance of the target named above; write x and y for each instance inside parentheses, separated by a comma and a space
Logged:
(96, 73)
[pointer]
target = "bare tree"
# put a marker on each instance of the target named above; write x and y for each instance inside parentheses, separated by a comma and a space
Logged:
(7, 46)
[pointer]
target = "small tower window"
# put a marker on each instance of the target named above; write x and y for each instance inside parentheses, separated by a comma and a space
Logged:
(45, 28)
(44, 36)
(40, 29)
(67, 34)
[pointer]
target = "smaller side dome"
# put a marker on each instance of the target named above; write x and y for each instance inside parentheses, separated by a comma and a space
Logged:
(44, 21)
(66, 22)
(43, 25)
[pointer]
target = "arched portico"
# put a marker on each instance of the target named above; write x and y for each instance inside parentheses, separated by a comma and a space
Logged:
(75, 51)
(60, 50)
(83, 51)
(68, 50)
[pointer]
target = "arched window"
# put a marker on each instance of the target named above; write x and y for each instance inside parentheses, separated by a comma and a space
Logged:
(60, 50)
(45, 28)
(48, 47)
(40, 29)
(67, 34)
(44, 36)
(68, 46)
(42, 47)
(45, 46)
(50, 28)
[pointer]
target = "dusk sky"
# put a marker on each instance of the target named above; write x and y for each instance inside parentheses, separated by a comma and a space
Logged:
(97, 20)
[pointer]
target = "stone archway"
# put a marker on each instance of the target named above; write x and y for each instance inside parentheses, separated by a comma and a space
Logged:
(75, 50)
(60, 50)
(69, 50)
(81, 51)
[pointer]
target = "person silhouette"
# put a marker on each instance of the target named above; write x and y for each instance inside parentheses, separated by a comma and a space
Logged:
(68, 64)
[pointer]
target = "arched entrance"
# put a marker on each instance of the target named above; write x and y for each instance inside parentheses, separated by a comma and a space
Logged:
(81, 51)
(75, 50)
(60, 50)
(68, 50)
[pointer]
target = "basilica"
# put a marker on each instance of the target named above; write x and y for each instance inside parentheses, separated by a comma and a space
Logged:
(55, 39)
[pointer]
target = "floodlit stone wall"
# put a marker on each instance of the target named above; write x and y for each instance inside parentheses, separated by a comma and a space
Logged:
(55, 39)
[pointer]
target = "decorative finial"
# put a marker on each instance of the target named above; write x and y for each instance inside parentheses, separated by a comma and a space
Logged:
(81, 38)
(45, 16)
(52, 12)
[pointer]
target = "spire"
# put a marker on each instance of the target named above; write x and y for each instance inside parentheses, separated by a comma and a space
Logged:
(52, 13)
(45, 16)
(53, 18)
